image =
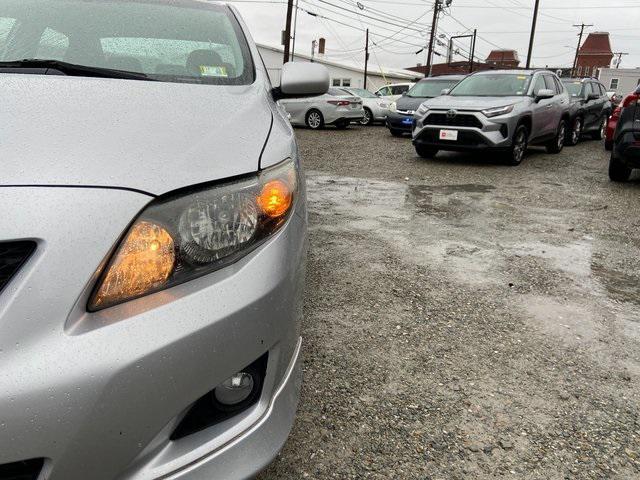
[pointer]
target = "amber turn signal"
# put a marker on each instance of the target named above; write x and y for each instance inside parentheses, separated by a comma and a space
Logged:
(144, 262)
(275, 198)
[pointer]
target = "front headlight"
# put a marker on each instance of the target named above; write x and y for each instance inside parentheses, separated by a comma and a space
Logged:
(184, 236)
(383, 105)
(422, 110)
(393, 107)
(495, 112)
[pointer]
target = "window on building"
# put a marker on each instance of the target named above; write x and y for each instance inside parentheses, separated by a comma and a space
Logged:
(614, 84)
(346, 82)
(580, 70)
(335, 82)
(53, 45)
(341, 82)
(595, 72)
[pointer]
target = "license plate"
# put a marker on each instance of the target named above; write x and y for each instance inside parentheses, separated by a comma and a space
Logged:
(451, 135)
(407, 121)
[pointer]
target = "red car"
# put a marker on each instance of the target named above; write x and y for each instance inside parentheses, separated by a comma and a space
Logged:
(611, 128)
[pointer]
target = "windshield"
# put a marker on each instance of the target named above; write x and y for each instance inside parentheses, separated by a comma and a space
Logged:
(360, 92)
(492, 85)
(574, 88)
(430, 88)
(176, 42)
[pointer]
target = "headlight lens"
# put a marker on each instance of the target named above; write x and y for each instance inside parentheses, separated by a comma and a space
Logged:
(393, 107)
(422, 110)
(494, 112)
(179, 238)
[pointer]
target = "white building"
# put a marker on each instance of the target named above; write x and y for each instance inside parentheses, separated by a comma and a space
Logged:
(341, 75)
(620, 80)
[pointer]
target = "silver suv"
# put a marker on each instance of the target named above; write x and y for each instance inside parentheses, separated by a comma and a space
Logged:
(499, 110)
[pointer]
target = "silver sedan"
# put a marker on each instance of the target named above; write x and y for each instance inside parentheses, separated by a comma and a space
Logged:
(336, 107)
(376, 109)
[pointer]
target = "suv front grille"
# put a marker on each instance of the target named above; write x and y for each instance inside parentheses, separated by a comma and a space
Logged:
(460, 120)
(12, 257)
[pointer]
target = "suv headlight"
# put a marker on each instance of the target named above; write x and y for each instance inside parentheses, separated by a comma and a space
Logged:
(393, 107)
(422, 110)
(495, 112)
(184, 236)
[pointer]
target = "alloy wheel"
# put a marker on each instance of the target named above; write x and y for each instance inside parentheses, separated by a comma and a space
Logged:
(577, 130)
(367, 118)
(561, 136)
(519, 146)
(314, 120)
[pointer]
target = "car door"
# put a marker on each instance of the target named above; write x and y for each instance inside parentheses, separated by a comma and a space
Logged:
(541, 111)
(296, 108)
(590, 107)
(557, 105)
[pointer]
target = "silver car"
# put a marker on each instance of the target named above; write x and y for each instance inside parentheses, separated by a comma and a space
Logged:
(497, 111)
(152, 247)
(376, 109)
(336, 107)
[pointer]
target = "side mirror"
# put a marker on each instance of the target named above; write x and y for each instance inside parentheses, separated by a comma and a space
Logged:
(445, 91)
(544, 94)
(404, 94)
(593, 96)
(378, 94)
(302, 79)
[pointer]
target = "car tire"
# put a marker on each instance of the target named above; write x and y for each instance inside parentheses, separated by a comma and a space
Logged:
(314, 120)
(618, 172)
(396, 133)
(426, 152)
(342, 125)
(556, 145)
(608, 145)
(601, 133)
(518, 148)
(367, 120)
(575, 132)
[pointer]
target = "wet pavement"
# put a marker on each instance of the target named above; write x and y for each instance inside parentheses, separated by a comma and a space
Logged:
(466, 319)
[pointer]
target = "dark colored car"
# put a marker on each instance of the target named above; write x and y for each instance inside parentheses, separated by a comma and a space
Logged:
(612, 123)
(400, 117)
(590, 109)
(625, 155)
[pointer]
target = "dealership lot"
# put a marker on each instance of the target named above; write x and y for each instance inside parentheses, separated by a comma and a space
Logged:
(466, 319)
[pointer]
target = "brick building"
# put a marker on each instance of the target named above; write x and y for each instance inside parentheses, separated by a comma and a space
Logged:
(497, 59)
(595, 53)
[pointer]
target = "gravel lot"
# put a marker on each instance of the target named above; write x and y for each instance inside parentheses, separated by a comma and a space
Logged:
(466, 319)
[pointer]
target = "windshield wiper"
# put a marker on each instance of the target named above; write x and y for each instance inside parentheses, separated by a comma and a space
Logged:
(73, 69)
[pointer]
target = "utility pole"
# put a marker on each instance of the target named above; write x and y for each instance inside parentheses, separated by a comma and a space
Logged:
(619, 55)
(533, 32)
(286, 35)
(295, 33)
(366, 60)
(436, 10)
(575, 59)
(473, 50)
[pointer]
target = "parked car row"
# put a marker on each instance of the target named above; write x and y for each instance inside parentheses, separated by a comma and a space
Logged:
(623, 138)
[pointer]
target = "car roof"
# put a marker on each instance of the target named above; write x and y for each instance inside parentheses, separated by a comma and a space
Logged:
(510, 72)
(443, 77)
(581, 80)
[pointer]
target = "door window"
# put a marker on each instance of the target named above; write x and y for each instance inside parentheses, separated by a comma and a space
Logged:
(400, 89)
(384, 91)
(539, 85)
(588, 89)
(550, 84)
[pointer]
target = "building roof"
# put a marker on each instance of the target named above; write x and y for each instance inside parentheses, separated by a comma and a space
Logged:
(372, 70)
(597, 43)
(505, 55)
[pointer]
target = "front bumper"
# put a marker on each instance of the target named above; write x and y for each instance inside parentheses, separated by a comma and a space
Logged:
(98, 395)
(400, 122)
(343, 114)
(494, 133)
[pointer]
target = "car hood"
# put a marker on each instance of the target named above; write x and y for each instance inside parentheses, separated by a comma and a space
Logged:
(148, 136)
(410, 103)
(472, 103)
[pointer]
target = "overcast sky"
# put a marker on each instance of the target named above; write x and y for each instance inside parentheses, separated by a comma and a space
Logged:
(399, 28)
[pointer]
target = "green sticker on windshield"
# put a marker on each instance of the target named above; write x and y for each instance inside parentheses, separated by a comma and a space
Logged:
(213, 71)
(522, 78)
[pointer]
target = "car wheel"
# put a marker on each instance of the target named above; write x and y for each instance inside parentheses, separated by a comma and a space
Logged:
(608, 145)
(557, 144)
(602, 129)
(618, 171)
(426, 152)
(342, 125)
(314, 120)
(368, 118)
(396, 133)
(519, 146)
(573, 136)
